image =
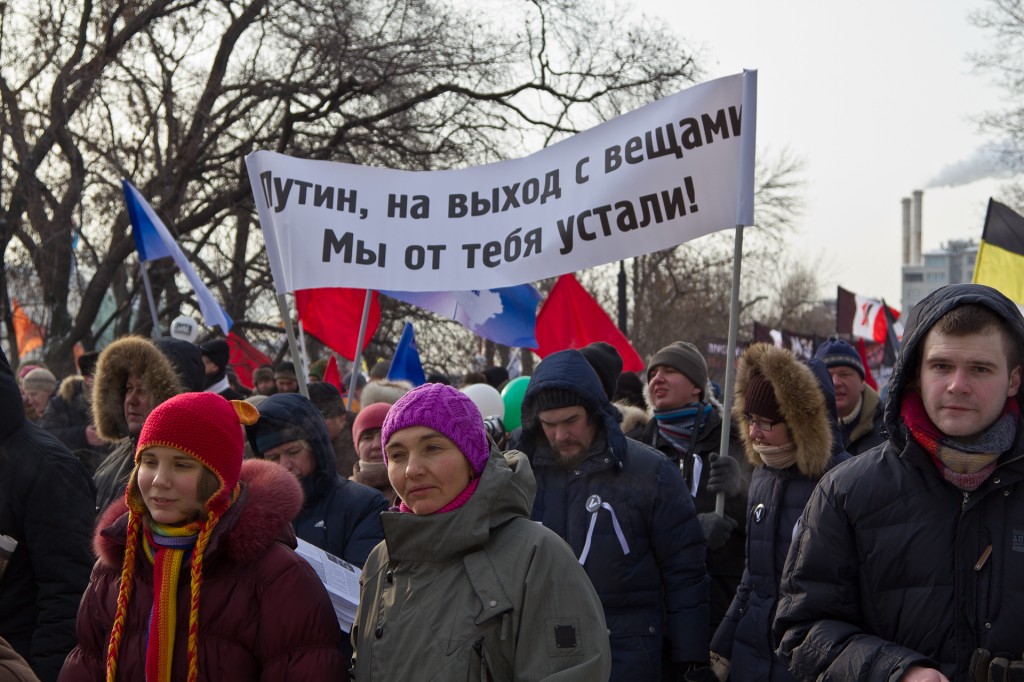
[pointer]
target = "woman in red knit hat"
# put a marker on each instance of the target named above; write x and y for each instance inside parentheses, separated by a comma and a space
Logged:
(196, 578)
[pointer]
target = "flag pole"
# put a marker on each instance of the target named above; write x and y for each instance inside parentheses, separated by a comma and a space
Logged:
(157, 332)
(302, 347)
(357, 356)
(730, 357)
(293, 346)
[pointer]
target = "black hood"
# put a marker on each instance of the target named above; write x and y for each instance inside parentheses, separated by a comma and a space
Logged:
(285, 417)
(920, 320)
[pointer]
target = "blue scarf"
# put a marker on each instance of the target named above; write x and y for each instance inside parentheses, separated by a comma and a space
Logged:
(681, 426)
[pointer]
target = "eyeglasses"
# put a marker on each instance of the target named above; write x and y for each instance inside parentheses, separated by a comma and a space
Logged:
(765, 425)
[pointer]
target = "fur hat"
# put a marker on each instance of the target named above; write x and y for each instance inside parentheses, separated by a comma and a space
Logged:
(446, 410)
(370, 417)
(218, 351)
(262, 374)
(606, 361)
(836, 352)
(685, 357)
(761, 398)
(384, 392)
(40, 379)
(205, 427)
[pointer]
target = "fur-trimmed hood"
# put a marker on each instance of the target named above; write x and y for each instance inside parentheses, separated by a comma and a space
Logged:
(270, 498)
(632, 416)
(71, 387)
(801, 403)
(125, 356)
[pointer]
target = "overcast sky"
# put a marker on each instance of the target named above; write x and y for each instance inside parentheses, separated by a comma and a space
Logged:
(879, 98)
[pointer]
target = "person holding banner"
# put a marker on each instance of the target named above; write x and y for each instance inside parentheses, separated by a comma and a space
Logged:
(197, 578)
(786, 414)
(465, 586)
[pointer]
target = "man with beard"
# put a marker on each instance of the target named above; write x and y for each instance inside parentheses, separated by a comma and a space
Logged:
(627, 515)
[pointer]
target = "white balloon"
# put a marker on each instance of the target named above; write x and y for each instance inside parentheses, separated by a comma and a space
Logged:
(487, 400)
(185, 328)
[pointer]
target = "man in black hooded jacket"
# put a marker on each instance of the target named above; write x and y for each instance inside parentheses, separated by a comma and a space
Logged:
(908, 561)
(46, 506)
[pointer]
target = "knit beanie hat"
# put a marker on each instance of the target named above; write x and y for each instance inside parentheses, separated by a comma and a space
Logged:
(24, 370)
(554, 399)
(685, 358)
(760, 398)
(370, 417)
(446, 410)
(187, 360)
(318, 368)
(606, 361)
(836, 352)
(218, 351)
(327, 398)
(39, 379)
(206, 427)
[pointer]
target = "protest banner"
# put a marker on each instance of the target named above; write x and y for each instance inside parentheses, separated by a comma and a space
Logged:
(671, 171)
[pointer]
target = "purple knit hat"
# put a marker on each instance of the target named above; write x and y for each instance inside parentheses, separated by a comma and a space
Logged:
(448, 411)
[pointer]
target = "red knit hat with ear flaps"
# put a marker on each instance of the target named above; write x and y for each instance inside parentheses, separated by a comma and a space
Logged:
(206, 427)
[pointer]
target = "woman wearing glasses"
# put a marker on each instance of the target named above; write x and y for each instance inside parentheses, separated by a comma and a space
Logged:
(786, 415)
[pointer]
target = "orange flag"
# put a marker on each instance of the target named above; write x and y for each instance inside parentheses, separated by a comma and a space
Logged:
(28, 335)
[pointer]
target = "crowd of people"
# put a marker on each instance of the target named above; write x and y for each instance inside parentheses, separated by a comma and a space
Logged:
(150, 507)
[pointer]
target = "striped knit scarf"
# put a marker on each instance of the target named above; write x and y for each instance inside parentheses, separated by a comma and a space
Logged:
(965, 464)
(167, 548)
(677, 426)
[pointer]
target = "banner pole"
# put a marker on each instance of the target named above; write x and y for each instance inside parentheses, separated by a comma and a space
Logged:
(730, 360)
(293, 346)
(157, 332)
(357, 356)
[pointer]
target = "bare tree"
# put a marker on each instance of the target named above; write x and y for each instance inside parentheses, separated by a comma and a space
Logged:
(172, 94)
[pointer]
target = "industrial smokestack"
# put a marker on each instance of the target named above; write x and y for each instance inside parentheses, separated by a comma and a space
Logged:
(905, 201)
(915, 239)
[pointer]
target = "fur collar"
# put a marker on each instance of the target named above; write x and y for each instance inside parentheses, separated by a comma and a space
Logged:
(632, 417)
(125, 356)
(271, 498)
(800, 401)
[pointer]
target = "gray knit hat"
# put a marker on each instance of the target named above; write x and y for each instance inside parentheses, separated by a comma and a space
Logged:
(685, 357)
(39, 379)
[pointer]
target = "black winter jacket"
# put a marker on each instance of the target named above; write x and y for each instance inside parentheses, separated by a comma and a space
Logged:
(776, 499)
(725, 564)
(660, 585)
(892, 566)
(46, 505)
(67, 416)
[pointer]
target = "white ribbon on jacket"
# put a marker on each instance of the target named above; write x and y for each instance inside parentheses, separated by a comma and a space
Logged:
(594, 505)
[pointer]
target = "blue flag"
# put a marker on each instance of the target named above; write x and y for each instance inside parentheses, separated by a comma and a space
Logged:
(507, 316)
(153, 240)
(406, 364)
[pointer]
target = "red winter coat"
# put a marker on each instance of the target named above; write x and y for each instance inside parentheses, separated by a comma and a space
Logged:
(263, 613)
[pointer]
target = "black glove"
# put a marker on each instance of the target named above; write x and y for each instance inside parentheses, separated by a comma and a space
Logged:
(717, 529)
(725, 475)
(698, 672)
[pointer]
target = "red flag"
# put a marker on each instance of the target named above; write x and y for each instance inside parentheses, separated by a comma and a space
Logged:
(332, 376)
(333, 316)
(859, 316)
(27, 334)
(571, 318)
(244, 358)
(869, 378)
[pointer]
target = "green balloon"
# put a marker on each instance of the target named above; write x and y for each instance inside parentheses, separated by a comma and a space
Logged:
(512, 396)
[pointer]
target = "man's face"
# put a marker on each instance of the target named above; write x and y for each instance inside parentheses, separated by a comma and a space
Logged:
(295, 456)
(137, 404)
(965, 381)
(210, 366)
(569, 431)
(265, 387)
(670, 389)
(286, 385)
(848, 386)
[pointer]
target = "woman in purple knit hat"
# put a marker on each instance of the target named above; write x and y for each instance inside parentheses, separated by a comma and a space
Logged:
(463, 577)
